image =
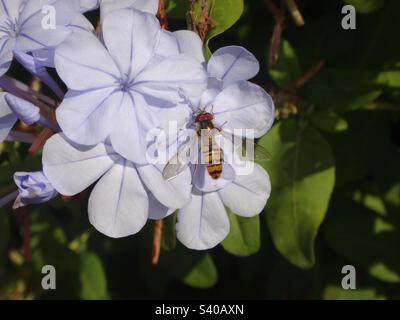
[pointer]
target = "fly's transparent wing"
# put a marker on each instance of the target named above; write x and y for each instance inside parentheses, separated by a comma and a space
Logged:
(249, 149)
(260, 153)
(179, 162)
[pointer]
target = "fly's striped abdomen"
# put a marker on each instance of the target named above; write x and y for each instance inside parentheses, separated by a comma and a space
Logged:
(213, 158)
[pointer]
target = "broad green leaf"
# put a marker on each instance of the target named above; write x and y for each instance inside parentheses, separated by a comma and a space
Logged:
(168, 239)
(389, 78)
(244, 236)
(366, 6)
(224, 14)
(332, 292)
(288, 68)
(328, 121)
(93, 277)
(343, 90)
(367, 239)
(360, 145)
(193, 268)
(203, 274)
(302, 175)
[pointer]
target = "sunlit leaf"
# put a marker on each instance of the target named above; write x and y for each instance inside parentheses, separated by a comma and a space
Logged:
(244, 236)
(302, 175)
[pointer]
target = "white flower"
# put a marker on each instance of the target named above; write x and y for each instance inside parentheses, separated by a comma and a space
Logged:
(21, 27)
(235, 104)
(125, 88)
(125, 195)
(33, 187)
(203, 223)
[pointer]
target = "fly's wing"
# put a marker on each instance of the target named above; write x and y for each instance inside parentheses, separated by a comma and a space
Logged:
(249, 149)
(179, 162)
(260, 153)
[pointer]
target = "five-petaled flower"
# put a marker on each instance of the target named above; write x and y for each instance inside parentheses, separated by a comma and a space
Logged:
(132, 78)
(126, 87)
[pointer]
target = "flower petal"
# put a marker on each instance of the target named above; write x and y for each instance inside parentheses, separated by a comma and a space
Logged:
(132, 43)
(157, 210)
(128, 138)
(118, 204)
(72, 168)
(24, 110)
(33, 187)
(87, 117)
(248, 194)
(174, 193)
(107, 6)
(85, 67)
(190, 43)
(232, 64)
(203, 223)
(7, 118)
(168, 78)
(10, 9)
(6, 55)
(244, 105)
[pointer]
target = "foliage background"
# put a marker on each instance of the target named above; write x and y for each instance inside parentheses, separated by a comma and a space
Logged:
(335, 174)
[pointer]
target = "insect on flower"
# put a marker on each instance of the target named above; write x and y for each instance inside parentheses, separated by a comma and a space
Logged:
(210, 149)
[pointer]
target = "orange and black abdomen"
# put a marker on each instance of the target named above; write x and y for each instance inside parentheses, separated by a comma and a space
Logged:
(212, 153)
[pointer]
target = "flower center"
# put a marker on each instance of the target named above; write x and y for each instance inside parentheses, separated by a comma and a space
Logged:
(10, 28)
(125, 84)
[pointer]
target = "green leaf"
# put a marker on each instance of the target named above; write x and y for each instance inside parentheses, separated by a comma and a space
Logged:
(168, 239)
(332, 292)
(93, 278)
(203, 275)
(224, 14)
(288, 68)
(367, 239)
(244, 237)
(359, 145)
(389, 78)
(302, 174)
(329, 121)
(194, 269)
(366, 6)
(343, 90)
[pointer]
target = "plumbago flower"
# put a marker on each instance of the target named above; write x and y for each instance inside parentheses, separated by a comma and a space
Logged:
(235, 104)
(13, 108)
(125, 196)
(33, 187)
(123, 88)
(21, 27)
(106, 6)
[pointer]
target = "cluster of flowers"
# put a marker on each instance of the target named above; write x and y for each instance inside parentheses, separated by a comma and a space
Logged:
(129, 79)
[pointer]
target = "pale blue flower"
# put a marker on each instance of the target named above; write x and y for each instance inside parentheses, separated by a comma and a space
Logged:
(33, 187)
(125, 195)
(236, 104)
(13, 108)
(126, 87)
(21, 27)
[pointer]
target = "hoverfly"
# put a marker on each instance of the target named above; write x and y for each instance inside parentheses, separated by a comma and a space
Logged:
(211, 151)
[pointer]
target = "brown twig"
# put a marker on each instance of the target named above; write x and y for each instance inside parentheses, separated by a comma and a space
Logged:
(158, 228)
(279, 17)
(295, 12)
(162, 14)
(205, 23)
(25, 221)
(40, 140)
(306, 77)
